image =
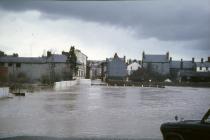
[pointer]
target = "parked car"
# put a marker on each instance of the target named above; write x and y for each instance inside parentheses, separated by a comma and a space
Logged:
(188, 129)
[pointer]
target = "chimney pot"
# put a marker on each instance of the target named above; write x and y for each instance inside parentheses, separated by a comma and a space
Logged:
(181, 64)
(201, 60)
(193, 59)
(167, 55)
(143, 54)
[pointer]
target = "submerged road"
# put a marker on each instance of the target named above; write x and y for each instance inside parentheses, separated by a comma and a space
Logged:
(85, 111)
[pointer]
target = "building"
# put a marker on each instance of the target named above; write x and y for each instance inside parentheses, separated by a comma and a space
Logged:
(203, 66)
(52, 67)
(34, 68)
(116, 68)
(95, 69)
(3, 74)
(178, 68)
(103, 70)
(81, 64)
(190, 70)
(133, 67)
(156, 63)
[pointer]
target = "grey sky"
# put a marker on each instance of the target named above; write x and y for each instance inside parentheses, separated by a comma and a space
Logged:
(101, 28)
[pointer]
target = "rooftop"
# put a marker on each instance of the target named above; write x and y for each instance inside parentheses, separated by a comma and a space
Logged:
(56, 58)
(186, 64)
(155, 58)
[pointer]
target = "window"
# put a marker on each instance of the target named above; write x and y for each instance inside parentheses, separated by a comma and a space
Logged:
(1, 63)
(200, 68)
(18, 65)
(207, 68)
(9, 64)
(207, 120)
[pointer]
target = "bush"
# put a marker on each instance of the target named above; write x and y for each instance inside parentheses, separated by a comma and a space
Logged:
(45, 79)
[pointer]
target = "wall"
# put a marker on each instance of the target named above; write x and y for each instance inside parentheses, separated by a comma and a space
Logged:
(116, 68)
(203, 69)
(161, 68)
(65, 84)
(4, 92)
(34, 71)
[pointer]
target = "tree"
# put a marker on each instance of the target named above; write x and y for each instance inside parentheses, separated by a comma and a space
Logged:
(15, 54)
(139, 75)
(72, 61)
(2, 53)
(18, 80)
(144, 75)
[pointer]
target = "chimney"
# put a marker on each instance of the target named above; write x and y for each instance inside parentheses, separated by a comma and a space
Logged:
(170, 59)
(143, 55)
(167, 55)
(193, 59)
(115, 55)
(201, 60)
(49, 53)
(181, 64)
(208, 59)
(124, 59)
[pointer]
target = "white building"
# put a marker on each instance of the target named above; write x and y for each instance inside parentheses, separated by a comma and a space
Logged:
(202, 66)
(133, 67)
(81, 63)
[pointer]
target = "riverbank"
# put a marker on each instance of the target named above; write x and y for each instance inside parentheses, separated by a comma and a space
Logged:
(32, 87)
(157, 84)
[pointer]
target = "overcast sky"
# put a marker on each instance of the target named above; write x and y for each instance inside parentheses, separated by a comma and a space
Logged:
(99, 29)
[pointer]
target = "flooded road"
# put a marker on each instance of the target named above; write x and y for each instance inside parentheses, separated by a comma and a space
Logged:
(100, 111)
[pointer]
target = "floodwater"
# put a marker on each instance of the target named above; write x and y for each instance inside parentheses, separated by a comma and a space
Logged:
(100, 111)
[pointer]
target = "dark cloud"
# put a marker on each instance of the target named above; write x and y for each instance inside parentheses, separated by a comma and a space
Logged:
(166, 20)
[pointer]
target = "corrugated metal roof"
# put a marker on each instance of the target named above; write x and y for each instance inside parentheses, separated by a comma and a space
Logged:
(155, 58)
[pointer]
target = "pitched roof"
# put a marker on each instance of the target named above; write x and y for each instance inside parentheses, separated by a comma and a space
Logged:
(11, 59)
(134, 64)
(186, 64)
(155, 58)
(175, 64)
(54, 58)
(115, 58)
(204, 64)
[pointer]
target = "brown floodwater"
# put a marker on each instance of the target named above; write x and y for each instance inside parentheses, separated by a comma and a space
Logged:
(100, 111)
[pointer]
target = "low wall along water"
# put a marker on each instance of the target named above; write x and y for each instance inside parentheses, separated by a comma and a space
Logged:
(65, 84)
(4, 91)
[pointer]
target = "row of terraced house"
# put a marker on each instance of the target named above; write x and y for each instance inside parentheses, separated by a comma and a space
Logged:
(117, 68)
(53, 67)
